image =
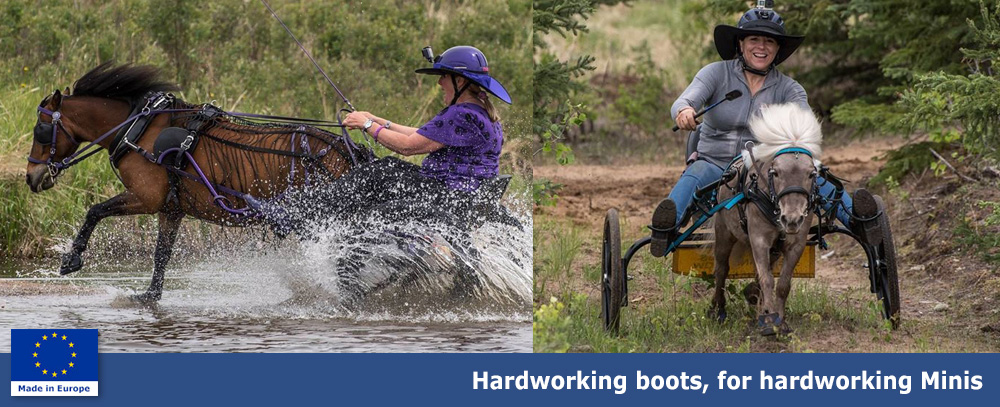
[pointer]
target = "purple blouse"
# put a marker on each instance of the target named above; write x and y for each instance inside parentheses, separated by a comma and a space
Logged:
(472, 145)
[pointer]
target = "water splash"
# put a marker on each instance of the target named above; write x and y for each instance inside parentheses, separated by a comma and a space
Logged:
(416, 270)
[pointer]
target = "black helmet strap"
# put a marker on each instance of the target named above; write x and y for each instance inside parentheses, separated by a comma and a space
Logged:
(458, 92)
(748, 68)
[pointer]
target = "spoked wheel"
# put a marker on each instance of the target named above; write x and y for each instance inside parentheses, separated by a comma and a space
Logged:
(888, 277)
(613, 278)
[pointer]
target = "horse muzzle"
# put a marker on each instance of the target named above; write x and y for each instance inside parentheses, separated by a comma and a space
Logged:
(40, 179)
(791, 224)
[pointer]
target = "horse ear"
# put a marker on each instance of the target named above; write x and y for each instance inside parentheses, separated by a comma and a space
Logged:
(66, 91)
(817, 164)
(56, 99)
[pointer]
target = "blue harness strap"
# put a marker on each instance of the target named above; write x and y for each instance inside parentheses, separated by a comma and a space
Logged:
(733, 201)
(793, 150)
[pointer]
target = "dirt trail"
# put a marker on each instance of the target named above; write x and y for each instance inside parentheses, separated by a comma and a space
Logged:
(590, 190)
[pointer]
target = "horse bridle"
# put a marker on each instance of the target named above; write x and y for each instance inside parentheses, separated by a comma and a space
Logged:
(42, 130)
(47, 134)
(768, 204)
(794, 189)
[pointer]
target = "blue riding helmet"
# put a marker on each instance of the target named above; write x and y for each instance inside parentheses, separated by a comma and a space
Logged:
(760, 20)
(467, 62)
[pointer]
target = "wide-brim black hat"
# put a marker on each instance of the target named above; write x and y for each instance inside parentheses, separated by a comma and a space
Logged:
(726, 37)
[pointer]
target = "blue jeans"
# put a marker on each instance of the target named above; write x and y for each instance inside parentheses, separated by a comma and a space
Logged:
(701, 173)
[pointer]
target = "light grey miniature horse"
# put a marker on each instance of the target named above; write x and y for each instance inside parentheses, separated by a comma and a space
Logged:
(779, 182)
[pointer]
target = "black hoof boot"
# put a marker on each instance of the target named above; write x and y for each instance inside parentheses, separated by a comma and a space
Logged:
(70, 262)
(664, 227)
(147, 298)
(772, 324)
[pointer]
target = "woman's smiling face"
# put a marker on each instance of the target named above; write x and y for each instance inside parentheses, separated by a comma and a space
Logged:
(759, 51)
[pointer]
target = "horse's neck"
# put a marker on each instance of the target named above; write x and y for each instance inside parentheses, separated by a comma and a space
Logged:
(91, 117)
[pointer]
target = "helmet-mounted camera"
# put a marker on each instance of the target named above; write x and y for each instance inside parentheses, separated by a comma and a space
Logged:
(428, 54)
(764, 9)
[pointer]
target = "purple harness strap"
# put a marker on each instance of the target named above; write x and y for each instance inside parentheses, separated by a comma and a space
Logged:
(254, 204)
(56, 166)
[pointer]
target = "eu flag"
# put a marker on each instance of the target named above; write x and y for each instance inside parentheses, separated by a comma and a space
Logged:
(53, 355)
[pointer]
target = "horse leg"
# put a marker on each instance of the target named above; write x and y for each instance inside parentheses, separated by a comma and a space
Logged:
(169, 222)
(124, 203)
(767, 316)
(792, 255)
(781, 293)
(724, 242)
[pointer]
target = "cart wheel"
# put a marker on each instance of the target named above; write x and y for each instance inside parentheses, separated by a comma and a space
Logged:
(613, 280)
(888, 276)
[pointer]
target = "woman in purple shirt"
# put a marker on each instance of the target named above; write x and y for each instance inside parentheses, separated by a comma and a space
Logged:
(463, 141)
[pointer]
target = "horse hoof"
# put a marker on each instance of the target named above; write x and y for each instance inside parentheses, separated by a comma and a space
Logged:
(717, 315)
(71, 262)
(770, 324)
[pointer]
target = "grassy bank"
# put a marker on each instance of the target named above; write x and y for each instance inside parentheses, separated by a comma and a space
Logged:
(234, 54)
(667, 312)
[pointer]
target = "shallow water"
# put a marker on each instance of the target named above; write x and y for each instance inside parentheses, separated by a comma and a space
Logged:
(280, 299)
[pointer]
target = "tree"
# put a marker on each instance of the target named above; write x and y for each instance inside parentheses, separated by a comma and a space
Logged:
(555, 80)
(970, 101)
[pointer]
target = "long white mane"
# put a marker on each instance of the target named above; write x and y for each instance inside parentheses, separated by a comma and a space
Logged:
(784, 126)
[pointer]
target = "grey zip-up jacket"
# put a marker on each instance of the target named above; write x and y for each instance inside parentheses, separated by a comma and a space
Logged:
(724, 129)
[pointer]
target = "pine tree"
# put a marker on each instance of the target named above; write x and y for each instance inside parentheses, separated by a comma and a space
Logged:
(555, 80)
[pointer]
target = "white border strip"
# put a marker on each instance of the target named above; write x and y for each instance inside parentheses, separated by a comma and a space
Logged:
(53, 388)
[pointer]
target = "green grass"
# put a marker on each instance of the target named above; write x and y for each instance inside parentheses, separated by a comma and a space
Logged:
(668, 312)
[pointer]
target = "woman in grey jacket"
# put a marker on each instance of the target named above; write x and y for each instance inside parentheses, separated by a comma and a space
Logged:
(751, 52)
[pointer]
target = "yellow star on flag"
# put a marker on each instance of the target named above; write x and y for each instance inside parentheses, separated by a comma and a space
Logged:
(38, 364)
(53, 334)
(64, 371)
(64, 337)
(44, 338)
(34, 355)
(70, 364)
(71, 344)
(74, 354)
(45, 371)
(53, 374)
(38, 345)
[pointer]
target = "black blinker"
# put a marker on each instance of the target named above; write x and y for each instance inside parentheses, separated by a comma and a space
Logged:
(43, 133)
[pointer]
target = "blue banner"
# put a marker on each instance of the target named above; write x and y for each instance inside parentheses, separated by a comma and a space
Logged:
(540, 379)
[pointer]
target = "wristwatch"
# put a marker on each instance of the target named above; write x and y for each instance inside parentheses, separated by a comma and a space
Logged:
(368, 124)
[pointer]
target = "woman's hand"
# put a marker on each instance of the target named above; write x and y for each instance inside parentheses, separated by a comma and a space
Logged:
(355, 120)
(685, 119)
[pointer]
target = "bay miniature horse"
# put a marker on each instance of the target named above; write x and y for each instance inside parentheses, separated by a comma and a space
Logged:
(780, 184)
(240, 159)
